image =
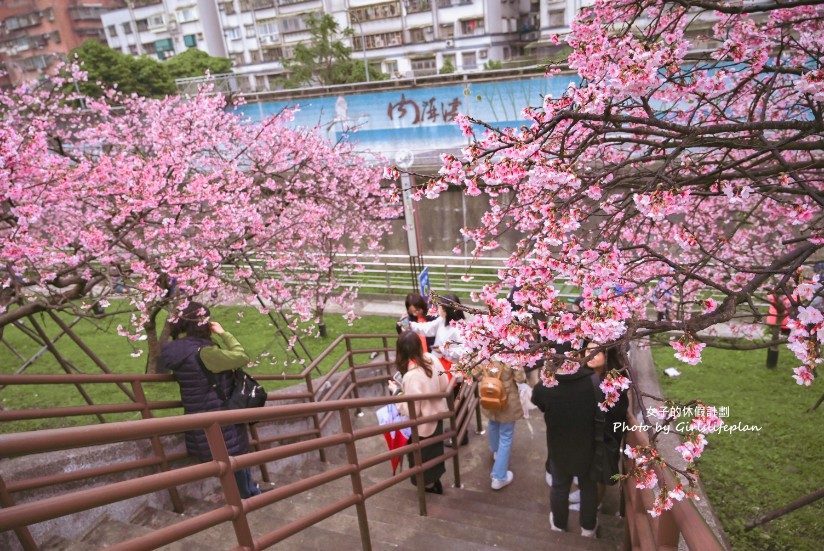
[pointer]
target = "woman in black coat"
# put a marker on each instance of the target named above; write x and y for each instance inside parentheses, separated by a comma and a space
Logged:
(569, 413)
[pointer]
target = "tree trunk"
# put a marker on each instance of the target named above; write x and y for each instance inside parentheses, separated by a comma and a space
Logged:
(153, 342)
(321, 323)
(797, 504)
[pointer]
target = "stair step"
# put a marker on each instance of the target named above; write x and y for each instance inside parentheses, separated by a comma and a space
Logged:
(317, 538)
(109, 532)
(151, 517)
(57, 543)
(465, 510)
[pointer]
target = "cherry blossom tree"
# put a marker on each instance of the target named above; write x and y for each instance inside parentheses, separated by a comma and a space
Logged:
(691, 153)
(171, 199)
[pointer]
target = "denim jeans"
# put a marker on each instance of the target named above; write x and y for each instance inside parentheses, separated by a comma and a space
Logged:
(500, 442)
(245, 484)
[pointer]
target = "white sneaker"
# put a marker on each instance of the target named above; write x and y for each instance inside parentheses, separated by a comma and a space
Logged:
(590, 533)
(549, 480)
(552, 524)
(498, 484)
(575, 497)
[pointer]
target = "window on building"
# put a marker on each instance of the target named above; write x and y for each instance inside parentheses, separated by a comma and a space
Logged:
(469, 61)
(446, 31)
(185, 15)
(556, 18)
(376, 11)
(164, 45)
(149, 48)
(382, 40)
(190, 41)
(133, 49)
(271, 54)
(416, 6)
(111, 30)
(293, 24)
(250, 5)
(233, 33)
(85, 13)
(424, 66)
(157, 20)
(227, 7)
(472, 27)
(267, 28)
(250, 31)
(142, 25)
(23, 21)
(421, 34)
(127, 28)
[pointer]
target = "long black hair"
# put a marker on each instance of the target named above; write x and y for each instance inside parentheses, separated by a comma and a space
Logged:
(193, 321)
(452, 312)
(410, 349)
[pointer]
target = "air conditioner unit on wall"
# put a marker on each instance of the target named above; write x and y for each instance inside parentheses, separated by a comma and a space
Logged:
(450, 43)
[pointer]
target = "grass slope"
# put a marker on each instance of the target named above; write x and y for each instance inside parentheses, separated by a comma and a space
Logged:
(747, 474)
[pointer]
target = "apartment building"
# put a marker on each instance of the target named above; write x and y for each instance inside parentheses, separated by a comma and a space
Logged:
(34, 34)
(399, 37)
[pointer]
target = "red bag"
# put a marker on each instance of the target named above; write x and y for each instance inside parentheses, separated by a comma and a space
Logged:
(447, 366)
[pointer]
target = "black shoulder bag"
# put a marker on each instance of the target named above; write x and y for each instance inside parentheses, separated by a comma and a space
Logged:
(247, 392)
(607, 453)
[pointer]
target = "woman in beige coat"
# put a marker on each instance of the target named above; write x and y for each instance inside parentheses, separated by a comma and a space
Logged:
(422, 375)
(501, 425)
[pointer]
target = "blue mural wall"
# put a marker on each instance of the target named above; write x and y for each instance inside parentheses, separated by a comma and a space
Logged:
(416, 119)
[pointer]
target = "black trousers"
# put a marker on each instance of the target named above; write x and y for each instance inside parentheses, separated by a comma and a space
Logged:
(559, 497)
(433, 474)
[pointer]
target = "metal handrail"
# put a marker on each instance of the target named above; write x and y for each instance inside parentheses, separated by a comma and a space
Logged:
(18, 517)
(645, 533)
(10, 444)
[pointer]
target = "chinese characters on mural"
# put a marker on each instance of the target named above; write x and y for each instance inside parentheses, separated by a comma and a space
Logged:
(429, 110)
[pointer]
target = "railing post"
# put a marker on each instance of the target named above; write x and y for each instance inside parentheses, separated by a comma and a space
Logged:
(667, 531)
(310, 388)
(388, 279)
(479, 422)
(416, 454)
(386, 355)
(22, 533)
(228, 482)
(352, 377)
(456, 464)
(264, 471)
(357, 483)
(157, 446)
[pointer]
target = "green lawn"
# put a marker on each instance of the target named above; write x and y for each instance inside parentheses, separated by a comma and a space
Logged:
(256, 333)
(748, 474)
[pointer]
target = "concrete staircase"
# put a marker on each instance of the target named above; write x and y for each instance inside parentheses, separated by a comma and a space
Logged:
(472, 518)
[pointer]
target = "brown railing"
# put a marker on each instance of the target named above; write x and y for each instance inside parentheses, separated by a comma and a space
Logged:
(18, 517)
(646, 533)
(346, 386)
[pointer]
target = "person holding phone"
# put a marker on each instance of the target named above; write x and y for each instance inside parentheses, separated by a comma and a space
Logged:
(419, 376)
(198, 344)
(416, 310)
